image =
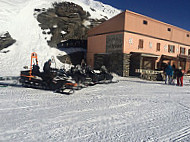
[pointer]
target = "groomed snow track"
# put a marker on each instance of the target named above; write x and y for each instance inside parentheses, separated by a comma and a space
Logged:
(130, 110)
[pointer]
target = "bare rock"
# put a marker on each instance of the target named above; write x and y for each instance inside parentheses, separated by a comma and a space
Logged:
(6, 40)
(67, 17)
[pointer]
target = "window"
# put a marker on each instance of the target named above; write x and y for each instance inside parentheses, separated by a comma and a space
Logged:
(171, 48)
(158, 47)
(145, 22)
(169, 29)
(187, 35)
(189, 52)
(182, 50)
(140, 43)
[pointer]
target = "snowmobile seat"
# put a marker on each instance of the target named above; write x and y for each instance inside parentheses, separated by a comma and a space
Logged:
(36, 71)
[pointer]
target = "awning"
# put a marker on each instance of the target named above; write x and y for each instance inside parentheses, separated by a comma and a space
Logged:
(146, 54)
(166, 57)
(149, 55)
(184, 57)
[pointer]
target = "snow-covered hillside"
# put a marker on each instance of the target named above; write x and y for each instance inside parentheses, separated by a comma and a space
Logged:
(16, 17)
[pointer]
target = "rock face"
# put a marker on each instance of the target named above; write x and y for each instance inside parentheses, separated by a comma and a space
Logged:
(65, 21)
(6, 40)
(73, 58)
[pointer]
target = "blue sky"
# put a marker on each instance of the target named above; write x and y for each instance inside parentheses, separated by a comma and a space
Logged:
(175, 12)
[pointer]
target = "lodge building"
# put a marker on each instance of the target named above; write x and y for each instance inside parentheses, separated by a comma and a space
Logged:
(131, 41)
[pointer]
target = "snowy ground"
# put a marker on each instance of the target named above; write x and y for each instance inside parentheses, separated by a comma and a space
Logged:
(131, 110)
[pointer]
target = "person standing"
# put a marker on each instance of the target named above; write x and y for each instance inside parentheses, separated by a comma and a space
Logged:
(169, 74)
(174, 74)
(179, 75)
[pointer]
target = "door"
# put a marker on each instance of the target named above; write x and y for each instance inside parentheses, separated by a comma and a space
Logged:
(148, 63)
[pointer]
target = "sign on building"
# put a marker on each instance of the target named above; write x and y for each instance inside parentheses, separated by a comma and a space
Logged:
(114, 43)
(130, 41)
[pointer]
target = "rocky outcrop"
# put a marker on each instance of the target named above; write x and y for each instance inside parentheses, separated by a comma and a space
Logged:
(65, 21)
(6, 40)
(72, 58)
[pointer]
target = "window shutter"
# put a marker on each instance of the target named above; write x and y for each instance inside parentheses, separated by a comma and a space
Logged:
(140, 43)
(169, 48)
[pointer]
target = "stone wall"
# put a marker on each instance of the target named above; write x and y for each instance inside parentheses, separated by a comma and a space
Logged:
(126, 64)
(115, 62)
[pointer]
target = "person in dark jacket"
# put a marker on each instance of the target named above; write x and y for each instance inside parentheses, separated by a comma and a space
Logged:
(179, 75)
(47, 71)
(169, 74)
(47, 67)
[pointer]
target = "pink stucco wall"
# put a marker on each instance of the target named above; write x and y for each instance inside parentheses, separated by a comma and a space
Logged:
(114, 24)
(155, 28)
(96, 44)
(131, 42)
(131, 24)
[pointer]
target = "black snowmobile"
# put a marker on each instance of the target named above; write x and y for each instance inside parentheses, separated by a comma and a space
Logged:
(86, 76)
(101, 76)
(78, 75)
(33, 78)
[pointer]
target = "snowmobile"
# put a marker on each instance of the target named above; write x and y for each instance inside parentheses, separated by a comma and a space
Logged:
(78, 75)
(86, 76)
(33, 78)
(101, 76)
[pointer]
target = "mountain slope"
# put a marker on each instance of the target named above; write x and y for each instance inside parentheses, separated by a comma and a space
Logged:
(17, 17)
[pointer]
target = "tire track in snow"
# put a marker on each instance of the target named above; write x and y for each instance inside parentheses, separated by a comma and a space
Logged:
(177, 135)
(96, 115)
(103, 130)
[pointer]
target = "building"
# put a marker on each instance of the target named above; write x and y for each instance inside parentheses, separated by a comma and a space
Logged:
(131, 41)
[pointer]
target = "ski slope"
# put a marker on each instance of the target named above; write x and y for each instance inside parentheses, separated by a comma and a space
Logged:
(17, 17)
(132, 110)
